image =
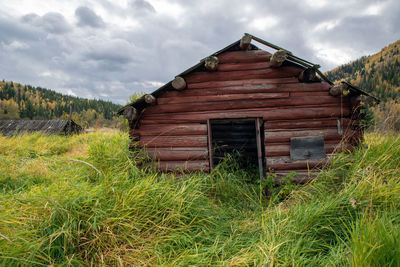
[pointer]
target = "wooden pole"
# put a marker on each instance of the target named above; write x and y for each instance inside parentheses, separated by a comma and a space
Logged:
(179, 83)
(245, 42)
(211, 63)
(278, 58)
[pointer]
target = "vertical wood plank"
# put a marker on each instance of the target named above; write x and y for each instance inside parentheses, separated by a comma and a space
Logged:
(259, 151)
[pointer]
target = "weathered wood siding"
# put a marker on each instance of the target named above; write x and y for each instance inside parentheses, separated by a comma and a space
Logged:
(174, 131)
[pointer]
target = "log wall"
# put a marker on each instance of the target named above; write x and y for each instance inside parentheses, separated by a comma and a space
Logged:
(245, 86)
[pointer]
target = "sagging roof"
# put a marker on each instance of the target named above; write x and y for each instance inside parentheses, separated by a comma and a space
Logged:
(140, 103)
(11, 127)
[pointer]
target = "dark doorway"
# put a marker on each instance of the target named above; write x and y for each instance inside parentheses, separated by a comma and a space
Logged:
(241, 138)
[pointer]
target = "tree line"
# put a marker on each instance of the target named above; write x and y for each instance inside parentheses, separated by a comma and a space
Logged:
(19, 101)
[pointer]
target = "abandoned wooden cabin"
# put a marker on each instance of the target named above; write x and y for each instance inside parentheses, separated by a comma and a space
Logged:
(63, 127)
(277, 110)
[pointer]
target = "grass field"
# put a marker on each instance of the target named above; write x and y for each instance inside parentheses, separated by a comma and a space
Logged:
(54, 211)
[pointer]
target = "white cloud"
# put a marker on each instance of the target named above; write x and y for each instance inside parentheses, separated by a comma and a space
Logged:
(264, 23)
(375, 9)
(327, 25)
(15, 45)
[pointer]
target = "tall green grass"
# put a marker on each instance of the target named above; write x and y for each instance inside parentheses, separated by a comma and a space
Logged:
(54, 211)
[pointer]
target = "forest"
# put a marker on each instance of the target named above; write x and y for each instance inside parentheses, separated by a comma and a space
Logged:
(377, 74)
(19, 101)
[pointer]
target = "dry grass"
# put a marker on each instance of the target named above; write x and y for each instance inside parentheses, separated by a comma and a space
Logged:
(62, 213)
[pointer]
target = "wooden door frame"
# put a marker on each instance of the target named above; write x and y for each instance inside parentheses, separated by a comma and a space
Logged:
(260, 148)
(259, 122)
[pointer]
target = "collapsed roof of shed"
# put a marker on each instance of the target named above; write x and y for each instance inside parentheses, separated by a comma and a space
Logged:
(11, 127)
(140, 103)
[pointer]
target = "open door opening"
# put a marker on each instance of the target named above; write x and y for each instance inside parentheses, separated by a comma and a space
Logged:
(241, 138)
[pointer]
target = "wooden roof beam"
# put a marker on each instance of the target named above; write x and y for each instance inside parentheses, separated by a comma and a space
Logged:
(245, 42)
(278, 58)
(179, 83)
(211, 63)
(149, 99)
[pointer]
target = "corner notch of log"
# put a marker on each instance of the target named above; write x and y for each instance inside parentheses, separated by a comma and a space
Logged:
(211, 63)
(245, 42)
(179, 83)
(130, 113)
(149, 99)
(338, 90)
(308, 75)
(278, 58)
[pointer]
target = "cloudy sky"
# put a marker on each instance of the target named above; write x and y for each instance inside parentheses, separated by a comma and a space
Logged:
(110, 49)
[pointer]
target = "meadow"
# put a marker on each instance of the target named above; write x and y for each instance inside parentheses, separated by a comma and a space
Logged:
(58, 212)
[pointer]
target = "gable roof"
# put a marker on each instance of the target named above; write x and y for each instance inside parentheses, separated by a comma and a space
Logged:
(10, 127)
(140, 103)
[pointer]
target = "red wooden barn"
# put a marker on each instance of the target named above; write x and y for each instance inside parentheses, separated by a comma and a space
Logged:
(277, 110)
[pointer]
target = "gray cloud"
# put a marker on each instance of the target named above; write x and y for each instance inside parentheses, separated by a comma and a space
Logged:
(52, 22)
(86, 17)
(145, 44)
(141, 7)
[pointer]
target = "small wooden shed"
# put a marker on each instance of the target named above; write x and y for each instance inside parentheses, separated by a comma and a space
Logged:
(66, 127)
(277, 110)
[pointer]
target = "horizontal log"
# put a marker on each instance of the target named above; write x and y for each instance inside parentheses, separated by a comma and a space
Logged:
(185, 166)
(310, 93)
(243, 66)
(283, 72)
(216, 84)
(244, 56)
(284, 150)
(284, 136)
(177, 153)
(266, 113)
(225, 97)
(248, 104)
(285, 163)
(171, 129)
(255, 88)
(299, 124)
(173, 141)
(164, 121)
(287, 142)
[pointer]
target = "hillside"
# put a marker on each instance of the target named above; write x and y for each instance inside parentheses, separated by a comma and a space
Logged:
(377, 74)
(19, 101)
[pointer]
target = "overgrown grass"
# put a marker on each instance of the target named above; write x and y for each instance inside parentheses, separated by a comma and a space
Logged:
(54, 211)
